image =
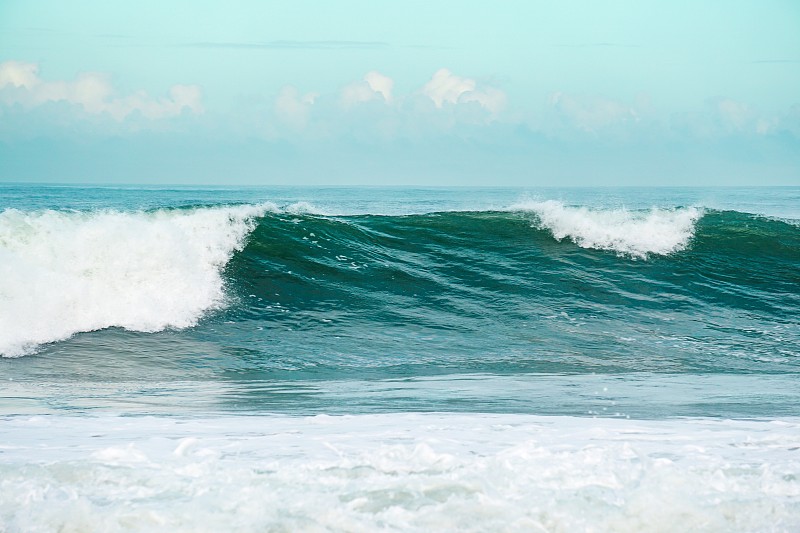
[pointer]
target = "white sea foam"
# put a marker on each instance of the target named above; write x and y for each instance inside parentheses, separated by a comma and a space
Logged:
(398, 472)
(633, 233)
(68, 272)
(305, 208)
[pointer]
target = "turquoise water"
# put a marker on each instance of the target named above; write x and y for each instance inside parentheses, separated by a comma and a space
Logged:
(184, 359)
(573, 301)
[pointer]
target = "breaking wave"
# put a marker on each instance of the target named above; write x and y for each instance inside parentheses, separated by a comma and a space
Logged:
(634, 233)
(67, 272)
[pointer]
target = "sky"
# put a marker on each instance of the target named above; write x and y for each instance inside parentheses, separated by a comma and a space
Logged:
(519, 93)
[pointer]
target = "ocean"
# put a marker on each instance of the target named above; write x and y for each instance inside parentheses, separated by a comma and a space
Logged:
(399, 359)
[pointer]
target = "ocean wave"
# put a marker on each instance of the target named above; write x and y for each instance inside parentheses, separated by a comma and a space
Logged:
(633, 233)
(69, 272)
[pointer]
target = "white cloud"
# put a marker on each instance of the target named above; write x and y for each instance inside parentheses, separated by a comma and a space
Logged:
(734, 114)
(492, 99)
(380, 84)
(739, 117)
(373, 86)
(293, 108)
(723, 117)
(592, 113)
(369, 109)
(790, 121)
(446, 87)
(18, 74)
(764, 126)
(357, 92)
(20, 84)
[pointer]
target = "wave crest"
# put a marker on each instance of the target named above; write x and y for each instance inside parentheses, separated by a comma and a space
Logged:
(633, 233)
(67, 272)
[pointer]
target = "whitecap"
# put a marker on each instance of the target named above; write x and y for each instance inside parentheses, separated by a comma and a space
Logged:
(67, 272)
(632, 233)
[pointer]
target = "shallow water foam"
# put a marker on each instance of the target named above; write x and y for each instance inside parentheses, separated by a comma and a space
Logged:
(400, 472)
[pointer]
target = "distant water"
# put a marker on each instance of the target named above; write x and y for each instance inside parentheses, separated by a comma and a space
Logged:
(480, 342)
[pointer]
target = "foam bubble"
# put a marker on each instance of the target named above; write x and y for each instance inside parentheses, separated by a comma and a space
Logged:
(304, 208)
(68, 272)
(632, 233)
(425, 472)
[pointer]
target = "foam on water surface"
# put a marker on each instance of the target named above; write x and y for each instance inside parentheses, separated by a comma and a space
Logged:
(67, 272)
(634, 233)
(399, 472)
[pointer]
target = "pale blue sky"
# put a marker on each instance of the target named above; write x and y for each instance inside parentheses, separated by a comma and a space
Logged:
(355, 92)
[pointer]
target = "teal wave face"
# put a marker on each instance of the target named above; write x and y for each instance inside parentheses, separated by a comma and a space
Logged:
(497, 292)
(542, 287)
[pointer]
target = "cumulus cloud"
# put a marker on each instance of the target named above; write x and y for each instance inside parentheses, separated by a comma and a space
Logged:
(590, 114)
(724, 117)
(373, 86)
(380, 84)
(18, 74)
(739, 117)
(443, 88)
(370, 109)
(736, 114)
(93, 92)
(790, 121)
(446, 87)
(293, 108)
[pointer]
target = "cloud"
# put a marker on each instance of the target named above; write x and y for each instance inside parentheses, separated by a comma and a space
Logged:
(724, 117)
(735, 115)
(592, 113)
(598, 45)
(20, 84)
(369, 110)
(373, 86)
(738, 117)
(790, 121)
(445, 87)
(606, 118)
(18, 74)
(293, 108)
(292, 45)
(380, 84)
(776, 61)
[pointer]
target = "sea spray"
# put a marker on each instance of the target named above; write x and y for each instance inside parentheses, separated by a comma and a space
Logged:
(634, 233)
(68, 272)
